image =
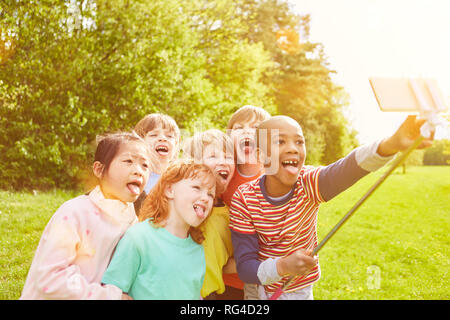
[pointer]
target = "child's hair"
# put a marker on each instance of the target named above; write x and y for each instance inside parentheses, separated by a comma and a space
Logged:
(108, 146)
(247, 113)
(194, 146)
(153, 120)
(156, 204)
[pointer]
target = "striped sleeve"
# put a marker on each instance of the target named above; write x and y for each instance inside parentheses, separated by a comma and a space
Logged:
(309, 178)
(240, 218)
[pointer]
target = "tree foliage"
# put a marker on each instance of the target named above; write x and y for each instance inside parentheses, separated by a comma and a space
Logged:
(301, 81)
(438, 154)
(72, 69)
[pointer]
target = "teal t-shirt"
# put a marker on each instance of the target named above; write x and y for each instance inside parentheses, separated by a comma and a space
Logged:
(152, 264)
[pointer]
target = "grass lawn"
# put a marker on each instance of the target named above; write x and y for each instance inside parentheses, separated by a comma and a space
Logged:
(396, 246)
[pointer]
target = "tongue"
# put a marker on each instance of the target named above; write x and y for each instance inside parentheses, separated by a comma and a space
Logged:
(134, 189)
(247, 149)
(199, 212)
(291, 169)
(162, 152)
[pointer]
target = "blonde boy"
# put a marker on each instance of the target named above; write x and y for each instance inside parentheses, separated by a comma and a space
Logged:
(241, 128)
(162, 136)
(215, 149)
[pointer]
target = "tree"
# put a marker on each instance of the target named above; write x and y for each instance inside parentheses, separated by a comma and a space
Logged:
(83, 67)
(69, 81)
(301, 80)
(438, 154)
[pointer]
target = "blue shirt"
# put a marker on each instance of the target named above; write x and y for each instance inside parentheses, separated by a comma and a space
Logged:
(152, 180)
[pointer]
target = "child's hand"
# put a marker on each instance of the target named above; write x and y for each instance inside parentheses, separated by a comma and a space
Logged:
(298, 263)
(404, 137)
(126, 297)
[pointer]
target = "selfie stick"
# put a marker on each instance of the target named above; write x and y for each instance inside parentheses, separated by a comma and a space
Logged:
(426, 131)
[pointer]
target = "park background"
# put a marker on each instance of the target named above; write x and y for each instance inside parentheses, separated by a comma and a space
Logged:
(70, 70)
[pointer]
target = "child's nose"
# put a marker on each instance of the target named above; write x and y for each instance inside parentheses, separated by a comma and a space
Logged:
(292, 147)
(138, 169)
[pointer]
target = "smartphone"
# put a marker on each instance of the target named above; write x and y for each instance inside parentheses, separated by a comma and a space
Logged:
(408, 95)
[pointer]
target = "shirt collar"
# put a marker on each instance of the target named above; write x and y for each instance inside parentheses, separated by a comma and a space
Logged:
(121, 213)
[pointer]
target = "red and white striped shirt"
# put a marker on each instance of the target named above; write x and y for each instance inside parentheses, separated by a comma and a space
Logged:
(282, 227)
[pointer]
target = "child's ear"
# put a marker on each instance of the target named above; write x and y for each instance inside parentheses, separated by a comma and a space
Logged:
(169, 193)
(97, 168)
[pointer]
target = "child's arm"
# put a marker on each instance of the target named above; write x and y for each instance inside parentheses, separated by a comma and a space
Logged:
(337, 177)
(404, 137)
(246, 247)
(251, 270)
(58, 276)
(230, 266)
(124, 265)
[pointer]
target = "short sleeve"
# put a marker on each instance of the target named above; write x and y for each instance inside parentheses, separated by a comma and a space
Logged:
(240, 218)
(309, 178)
(124, 265)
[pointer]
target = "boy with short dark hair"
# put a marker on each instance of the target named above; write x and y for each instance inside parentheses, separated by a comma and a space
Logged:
(273, 219)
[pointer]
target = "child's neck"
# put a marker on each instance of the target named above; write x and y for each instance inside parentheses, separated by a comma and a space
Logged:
(249, 169)
(274, 188)
(161, 167)
(176, 226)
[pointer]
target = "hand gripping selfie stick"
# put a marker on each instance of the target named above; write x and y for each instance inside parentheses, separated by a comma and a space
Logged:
(426, 109)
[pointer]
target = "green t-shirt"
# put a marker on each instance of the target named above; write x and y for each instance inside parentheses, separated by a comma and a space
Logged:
(152, 264)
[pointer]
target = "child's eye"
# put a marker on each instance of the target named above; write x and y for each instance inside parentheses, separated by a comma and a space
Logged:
(300, 142)
(278, 141)
(196, 187)
(128, 161)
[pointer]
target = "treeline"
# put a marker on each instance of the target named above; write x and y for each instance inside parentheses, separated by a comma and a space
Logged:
(70, 70)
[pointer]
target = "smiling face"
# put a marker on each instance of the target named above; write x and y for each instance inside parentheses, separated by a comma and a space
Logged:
(285, 152)
(163, 142)
(243, 136)
(191, 200)
(221, 163)
(127, 174)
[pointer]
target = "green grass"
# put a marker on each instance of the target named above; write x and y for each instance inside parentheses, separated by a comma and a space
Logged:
(401, 231)
(23, 217)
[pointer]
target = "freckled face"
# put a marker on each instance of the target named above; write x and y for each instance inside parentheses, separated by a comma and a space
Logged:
(192, 200)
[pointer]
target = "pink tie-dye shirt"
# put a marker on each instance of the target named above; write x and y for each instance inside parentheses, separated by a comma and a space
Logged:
(76, 248)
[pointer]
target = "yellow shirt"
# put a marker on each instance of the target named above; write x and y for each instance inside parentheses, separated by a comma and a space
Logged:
(218, 249)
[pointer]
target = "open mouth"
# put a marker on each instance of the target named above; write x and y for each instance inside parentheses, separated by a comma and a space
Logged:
(224, 174)
(247, 144)
(290, 165)
(162, 150)
(134, 187)
(199, 210)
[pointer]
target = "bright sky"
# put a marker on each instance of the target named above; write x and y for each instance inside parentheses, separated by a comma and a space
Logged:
(382, 38)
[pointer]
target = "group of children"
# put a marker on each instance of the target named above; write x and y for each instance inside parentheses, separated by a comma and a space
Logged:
(233, 217)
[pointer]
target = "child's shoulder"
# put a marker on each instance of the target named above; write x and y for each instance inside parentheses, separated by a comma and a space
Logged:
(250, 186)
(77, 204)
(140, 227)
